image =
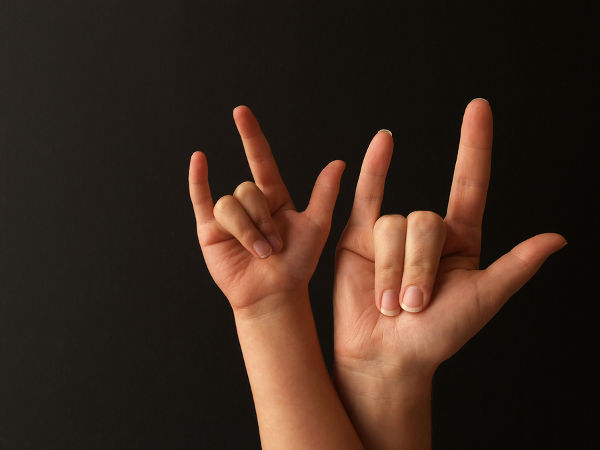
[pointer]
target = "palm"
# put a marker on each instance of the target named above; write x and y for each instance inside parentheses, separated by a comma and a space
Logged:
(362, 332)
(463, 298)
(236, 271)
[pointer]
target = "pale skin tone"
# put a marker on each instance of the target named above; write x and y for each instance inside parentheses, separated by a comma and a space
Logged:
(388, 344)
(261, 252)
(387, 347)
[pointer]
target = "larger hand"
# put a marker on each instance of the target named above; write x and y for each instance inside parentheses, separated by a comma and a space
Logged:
(379, 258)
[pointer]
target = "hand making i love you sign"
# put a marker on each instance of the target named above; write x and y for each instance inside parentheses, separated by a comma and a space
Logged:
(408, 290)
(255, 243)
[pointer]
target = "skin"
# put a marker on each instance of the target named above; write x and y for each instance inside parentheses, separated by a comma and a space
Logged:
(261, 252)
(384, 363)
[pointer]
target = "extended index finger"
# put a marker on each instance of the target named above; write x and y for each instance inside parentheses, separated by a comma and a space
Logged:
(471, 173)
(371, 181)
(260, 158)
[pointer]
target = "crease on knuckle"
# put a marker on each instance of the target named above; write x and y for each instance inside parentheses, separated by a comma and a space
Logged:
(250, 236)
(367, 198)
(388, 271)
(420, 269)
(264, 223)
(465, 181)
(526, 266)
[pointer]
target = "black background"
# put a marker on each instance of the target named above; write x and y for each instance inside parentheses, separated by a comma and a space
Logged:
(112, 333)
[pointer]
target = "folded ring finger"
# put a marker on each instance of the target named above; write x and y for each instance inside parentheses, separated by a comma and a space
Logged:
(389, 234)
(255, 203)
(232, 217)
(425, 238)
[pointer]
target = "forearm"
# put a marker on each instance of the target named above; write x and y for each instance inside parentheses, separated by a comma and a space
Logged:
(296, 403)
(388, 412)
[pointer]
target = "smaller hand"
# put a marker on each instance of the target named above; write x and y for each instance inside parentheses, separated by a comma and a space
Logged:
(254, 242)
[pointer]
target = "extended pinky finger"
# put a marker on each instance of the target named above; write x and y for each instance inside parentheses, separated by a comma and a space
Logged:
(233, 218)
(199, 188)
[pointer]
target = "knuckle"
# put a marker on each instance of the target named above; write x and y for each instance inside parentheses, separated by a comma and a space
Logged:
(420, 267)
(249, 236)
(244, 189)
(223, 204)
(390, 222)
(262, 222)
(423, 280)
(389, 272)
(425, 220)
(423, 267)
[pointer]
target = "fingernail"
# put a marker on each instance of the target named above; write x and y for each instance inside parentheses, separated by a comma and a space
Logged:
(481, 98)
(413, 299)
(275, 242)
(385, 131)
(389, 303)
(262, 248)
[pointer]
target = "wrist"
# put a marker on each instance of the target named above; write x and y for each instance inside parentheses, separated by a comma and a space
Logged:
(375, 383)
(277, 303)
(295, 400)
(388, 410)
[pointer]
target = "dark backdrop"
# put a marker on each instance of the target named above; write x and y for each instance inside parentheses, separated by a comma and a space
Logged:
(112, 333)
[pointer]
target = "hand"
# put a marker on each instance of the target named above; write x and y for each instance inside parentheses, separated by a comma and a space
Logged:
(383, 259)
(261, 252)
(255, 244)
(389, 268)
